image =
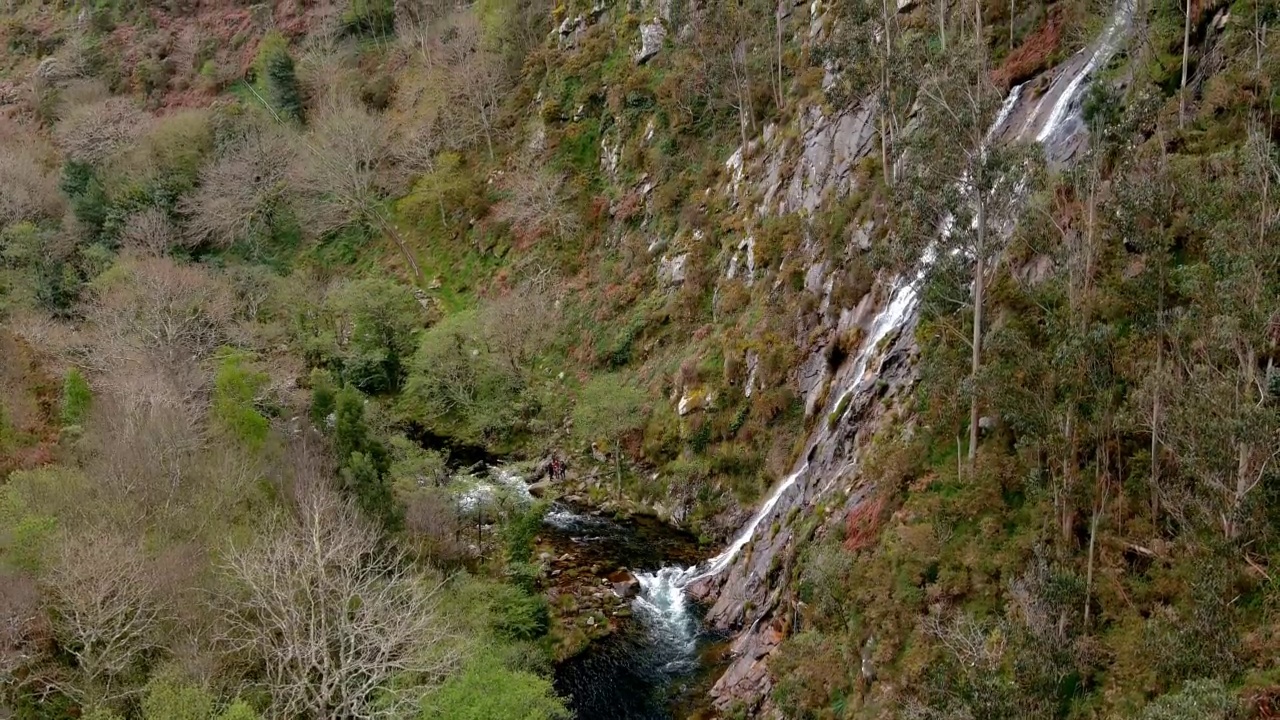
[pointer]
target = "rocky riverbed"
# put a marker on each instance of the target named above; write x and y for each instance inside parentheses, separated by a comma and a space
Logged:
(631, 645)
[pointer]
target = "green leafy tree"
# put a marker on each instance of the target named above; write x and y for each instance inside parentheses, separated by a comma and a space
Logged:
(277, 77)
(169, 699)
(76, 398)
(324, 397)
(368, 485)
(235, 391)
(89, 201)
(459, 386)
(607, 409)
(363, 459)
(487, 689)
(240, 710)
(380, 319)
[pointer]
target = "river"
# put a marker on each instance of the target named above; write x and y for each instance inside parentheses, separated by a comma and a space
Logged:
(657, 665)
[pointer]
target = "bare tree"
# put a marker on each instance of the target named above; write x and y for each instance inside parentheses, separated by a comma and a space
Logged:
(27, 176)
(106, 613)
(149, 232)
(24, 633)
(242, 192)
(477, 79)
(521, 323)
(418, 25)
(91, 133)
(333, 618)
(346, 173)
(168, 312)
(533, 204)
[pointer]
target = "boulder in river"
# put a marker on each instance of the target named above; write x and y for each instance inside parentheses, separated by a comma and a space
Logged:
(625, 585)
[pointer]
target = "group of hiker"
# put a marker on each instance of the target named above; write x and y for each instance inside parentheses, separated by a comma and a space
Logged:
(558, 468)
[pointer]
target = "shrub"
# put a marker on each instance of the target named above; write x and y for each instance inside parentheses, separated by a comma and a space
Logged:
(236, 388)
(487, 689)
(370, 17)
(1197, 700)
(76, 397)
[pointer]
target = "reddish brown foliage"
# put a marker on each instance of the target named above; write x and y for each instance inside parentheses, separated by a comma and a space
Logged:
(1032, 56)
(28, 397)
(863, 523)
(1266, 702)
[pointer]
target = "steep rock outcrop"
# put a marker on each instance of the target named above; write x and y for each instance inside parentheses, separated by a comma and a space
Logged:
(860, 398)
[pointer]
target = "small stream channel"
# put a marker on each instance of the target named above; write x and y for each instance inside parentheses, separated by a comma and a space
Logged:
(656, 666)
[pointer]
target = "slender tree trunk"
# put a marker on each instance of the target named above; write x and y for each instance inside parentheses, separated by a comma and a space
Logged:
(979, 273)
(777, 22)
(977, 30)
(1011, 10)
(884, 152)
(389, 228)
(959, 459)
(1155, 432)
(1230, 522)
(617, 463)
(1093, 536)
(1186, 50)
(942, 24)
(1066, 515)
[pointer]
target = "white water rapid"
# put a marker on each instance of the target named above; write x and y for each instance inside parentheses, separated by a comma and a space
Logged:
(502, 481)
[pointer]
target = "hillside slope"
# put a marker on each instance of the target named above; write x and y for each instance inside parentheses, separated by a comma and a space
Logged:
(977, 300)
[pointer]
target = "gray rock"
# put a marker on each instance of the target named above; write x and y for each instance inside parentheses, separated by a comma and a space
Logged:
(651, 36)
(814, 277)
(671, 270)
(861, 237)
(830, 149)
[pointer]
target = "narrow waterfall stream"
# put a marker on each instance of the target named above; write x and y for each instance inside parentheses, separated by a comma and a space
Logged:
(645, 671)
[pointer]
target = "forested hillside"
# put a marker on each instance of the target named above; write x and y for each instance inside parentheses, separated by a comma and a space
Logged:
(976, 302)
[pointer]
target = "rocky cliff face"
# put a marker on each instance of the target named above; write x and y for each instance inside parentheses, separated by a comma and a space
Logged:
(849, 401)
(856, 354)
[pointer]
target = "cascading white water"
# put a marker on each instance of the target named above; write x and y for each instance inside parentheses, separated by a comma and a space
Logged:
(662, 593)
(1065, 102)
(502, 481)
(662, 605)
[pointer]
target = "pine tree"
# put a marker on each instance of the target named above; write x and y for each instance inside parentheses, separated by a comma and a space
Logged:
(282, 85)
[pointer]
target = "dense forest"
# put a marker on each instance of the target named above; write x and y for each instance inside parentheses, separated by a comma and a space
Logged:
(277, 281)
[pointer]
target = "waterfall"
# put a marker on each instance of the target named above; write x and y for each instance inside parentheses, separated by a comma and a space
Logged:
(1063, 96)
(503, 481)
(662, 607)
(658, 588)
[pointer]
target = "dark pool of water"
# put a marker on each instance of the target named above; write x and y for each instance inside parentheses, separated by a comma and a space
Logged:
(657, 665)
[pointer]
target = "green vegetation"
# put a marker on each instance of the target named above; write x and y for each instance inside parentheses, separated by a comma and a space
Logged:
(76, 398)
(289, 301)
(277, 79)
